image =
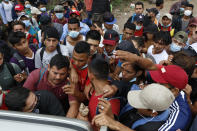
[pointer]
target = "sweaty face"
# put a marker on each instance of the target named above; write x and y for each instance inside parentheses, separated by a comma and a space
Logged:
(166, 21)
(79, 59)
(18, 28)
(1, 59)
(22, 46)
(51, 44)
(73, 27)
(94, 44)
(139, 9)
(128, 33)
(158, 47)
(30, 102)
(57, 76)
(128, 73)
(109, 48)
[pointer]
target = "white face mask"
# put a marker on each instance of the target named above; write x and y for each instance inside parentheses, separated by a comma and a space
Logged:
(187, 12)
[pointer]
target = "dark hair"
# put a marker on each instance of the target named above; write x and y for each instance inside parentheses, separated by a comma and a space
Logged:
(6, 50)
(130, 26)
(184, 61)
(16, 99)
(60, 61)
(42, 3)
(15, 37)
(51, 32)
(164, 37)
(189, 5)
(74, 21)
(139, 41)
(82, 47)
(159, 2)
(99, 67)
(18, 23)
(93, 34)
(139, 3)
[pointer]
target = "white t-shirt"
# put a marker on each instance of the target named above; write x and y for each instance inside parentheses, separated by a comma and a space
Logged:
(115, 27)
(71, 47)
(158, 57)
(47, 56)
(8, 10)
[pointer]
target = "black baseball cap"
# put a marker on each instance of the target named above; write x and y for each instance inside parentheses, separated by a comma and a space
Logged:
(111, 37)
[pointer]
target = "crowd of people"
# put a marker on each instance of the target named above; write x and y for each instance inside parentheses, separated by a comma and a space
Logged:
(71, 61)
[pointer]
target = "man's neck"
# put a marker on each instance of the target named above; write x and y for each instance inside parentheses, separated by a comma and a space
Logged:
(98, 85)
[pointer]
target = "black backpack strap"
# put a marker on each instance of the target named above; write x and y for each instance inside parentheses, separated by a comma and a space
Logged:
(42, 53)
(11, 69)
(20, 60)
(59, 50)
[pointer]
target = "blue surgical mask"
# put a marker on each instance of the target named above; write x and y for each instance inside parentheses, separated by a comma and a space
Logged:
(165, 26)
(28, 6)
(138, 27)
(182, 9)
(73, 34)
(59, 15)
(174, 47)
(27, 23)
(43, 9)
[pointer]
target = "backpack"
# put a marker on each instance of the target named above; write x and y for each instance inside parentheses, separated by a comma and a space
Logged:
(11, 68)
(43, 49)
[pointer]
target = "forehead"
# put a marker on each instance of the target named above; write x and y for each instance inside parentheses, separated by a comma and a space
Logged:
(165, 18)
(79, 56)
(18, 26)
(73, 25)
(55, 69)
(128, 30)
(138, 6)
(51, 39)
(24, 18)
(93, 42)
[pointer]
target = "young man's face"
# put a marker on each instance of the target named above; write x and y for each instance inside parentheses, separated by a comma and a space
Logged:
(166, 21)
(57, 76)
(79, 59)
(139, 9)
(128, 73)
(152, 15)
(149, 36)
(109, 48)
(128, 33)
(107, 26)
(22, 46)
(51, 44)
(94, 44)
(73, 27)
(158, 47)
(30, 102)
(178, 43)
(17, 28)
(192, 28)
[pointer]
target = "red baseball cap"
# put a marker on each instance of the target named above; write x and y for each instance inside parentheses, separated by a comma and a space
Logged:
(111, 37)
(19, 7)
(74, 11)
(171, 74)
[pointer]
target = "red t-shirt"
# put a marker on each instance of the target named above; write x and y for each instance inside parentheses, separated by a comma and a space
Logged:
(115, 105)
(2, 105)
(32, 84)
(83, 77)
(139, 33)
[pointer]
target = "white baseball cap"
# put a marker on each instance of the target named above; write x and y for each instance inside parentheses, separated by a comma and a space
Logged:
(168, 15)
(154, 96)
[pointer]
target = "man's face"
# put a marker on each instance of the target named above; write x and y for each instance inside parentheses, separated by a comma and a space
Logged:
(139, 9)
(57, 76)
(149, 36)
(17, 28)
(188, 8)
(22, 46)
(194, 36)
(73, 27)
(178, 43)
(30, 102)
(128, 33)
(1, 59)
(94, 44)
(152, 15)
(192, 28)
(166, 21)
(51, 44)
(128, 73)
(158, 47)
(109, 27)
(109, 48)
(79, 59)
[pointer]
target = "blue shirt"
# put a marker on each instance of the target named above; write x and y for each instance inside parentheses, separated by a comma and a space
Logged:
(83, 31)
(2, 14)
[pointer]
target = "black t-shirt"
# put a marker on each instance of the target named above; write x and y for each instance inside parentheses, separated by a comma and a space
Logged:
(48, 104)
(193, 83)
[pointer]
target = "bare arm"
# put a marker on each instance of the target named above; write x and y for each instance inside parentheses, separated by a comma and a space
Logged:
(73, 110)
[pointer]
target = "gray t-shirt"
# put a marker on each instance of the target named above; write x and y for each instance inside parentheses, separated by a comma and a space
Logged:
(184, 25)
(6, 79)
(47, 56)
